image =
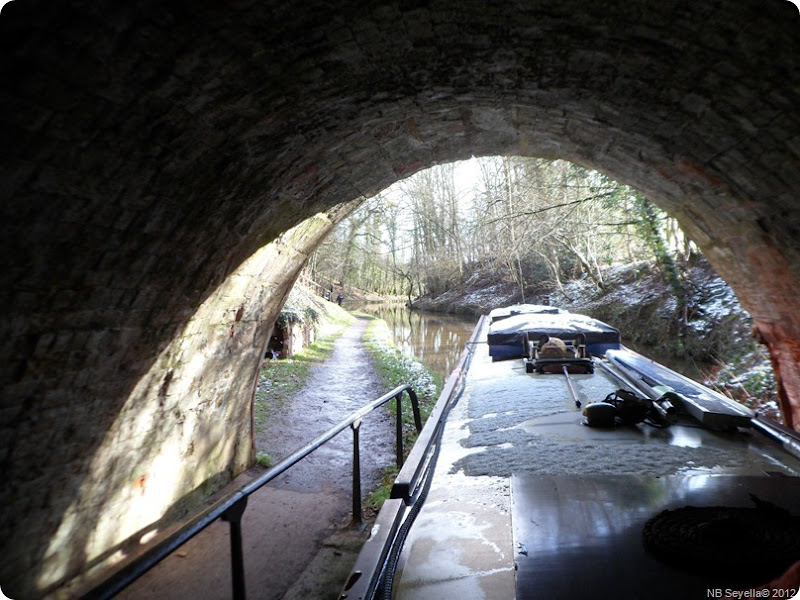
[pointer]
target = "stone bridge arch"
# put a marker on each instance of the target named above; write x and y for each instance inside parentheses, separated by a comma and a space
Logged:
(166, 169)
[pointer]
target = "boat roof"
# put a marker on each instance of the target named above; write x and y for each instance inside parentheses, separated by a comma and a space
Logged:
(566, 323)
(527, 501)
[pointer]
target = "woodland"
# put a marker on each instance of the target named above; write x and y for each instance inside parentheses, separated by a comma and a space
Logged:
(471, 236)
(532, 222)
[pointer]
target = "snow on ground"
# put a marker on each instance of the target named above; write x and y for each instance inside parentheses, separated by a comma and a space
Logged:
(715, 335)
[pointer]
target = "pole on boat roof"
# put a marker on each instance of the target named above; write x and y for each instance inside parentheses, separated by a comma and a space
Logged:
(621, 378)
(569, 386)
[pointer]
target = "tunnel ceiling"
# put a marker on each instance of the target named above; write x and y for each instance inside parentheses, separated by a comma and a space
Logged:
(161, 145)
(157, 147)
(205, 117)
(152, 148)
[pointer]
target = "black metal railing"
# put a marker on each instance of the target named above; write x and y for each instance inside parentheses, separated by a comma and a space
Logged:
(232, 507)
(373, 573)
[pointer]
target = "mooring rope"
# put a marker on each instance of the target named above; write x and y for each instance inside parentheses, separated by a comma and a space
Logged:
(756, 543)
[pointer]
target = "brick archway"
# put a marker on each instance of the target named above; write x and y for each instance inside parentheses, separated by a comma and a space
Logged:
(149, 152)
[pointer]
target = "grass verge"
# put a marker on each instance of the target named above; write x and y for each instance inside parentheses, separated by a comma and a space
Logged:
(396, 369)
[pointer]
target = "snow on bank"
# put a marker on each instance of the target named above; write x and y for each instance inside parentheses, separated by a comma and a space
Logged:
(395, 367)
(713, 331)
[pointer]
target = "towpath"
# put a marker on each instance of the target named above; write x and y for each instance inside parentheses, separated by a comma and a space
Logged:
(299, 541)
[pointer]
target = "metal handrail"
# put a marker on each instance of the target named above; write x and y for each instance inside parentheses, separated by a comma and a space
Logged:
(379, 552)
(232, 507)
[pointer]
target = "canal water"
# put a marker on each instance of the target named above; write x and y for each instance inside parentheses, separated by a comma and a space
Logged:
(434, 339)
(437, 340)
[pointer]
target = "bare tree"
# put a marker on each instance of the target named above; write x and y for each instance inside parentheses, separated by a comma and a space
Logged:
(533, 221)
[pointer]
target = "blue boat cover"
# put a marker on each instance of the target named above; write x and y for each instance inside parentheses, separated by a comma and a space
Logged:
(506, 337)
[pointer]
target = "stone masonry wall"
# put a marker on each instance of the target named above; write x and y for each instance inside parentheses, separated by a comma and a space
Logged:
(183, 432)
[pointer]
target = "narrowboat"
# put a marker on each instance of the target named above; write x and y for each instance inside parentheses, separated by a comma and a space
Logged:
(578, 473)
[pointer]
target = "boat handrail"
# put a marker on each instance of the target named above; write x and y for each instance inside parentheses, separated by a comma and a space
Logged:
(408, 478)
(232, 507)
(372, 563)
(788, 438)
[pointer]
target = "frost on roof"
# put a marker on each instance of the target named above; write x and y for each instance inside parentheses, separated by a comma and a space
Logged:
(523, 309)
(568, 322)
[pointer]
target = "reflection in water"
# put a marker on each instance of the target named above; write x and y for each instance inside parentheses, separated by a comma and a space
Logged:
(434, 339)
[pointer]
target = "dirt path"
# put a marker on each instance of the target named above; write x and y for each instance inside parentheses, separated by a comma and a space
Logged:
(298, 538)
(344, 383)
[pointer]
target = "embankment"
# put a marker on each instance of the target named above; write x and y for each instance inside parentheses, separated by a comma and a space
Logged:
(703, 331)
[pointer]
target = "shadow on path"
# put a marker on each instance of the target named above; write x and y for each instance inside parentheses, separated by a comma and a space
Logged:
(297, 533)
